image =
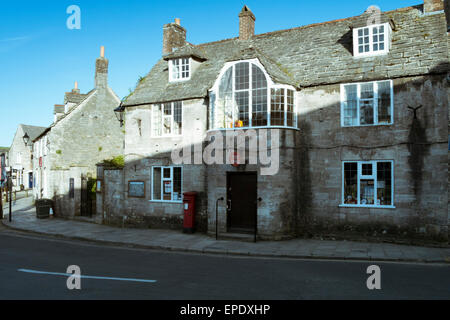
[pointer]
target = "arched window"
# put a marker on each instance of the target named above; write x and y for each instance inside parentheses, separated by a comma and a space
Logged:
(244, 97)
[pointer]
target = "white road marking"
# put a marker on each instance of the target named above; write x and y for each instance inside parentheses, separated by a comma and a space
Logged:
(85, 277)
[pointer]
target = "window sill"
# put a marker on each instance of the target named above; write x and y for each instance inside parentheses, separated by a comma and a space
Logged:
(368, 125)
(365, 206)
(249, 128)
(371, 54)
(178, 80)
(166, 201)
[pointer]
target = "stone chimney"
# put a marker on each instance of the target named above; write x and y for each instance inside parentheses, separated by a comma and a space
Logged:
(174, 36)
(58, 112)
(246, 24)
(101, 70)
(433, 5)
(74, 96)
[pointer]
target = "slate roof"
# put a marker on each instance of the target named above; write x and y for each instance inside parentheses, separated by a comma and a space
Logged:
(85, 97)
(312, 55)
(32, 131)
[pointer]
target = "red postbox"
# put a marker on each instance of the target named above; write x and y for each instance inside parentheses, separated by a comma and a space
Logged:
(189, 211)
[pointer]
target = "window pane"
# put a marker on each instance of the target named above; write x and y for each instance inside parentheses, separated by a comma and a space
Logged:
(367, 192)
(350, 105)
(157, 120)
(242, 74)
(177, 188)
(177, 117)
(167, 129)
(384, 102)
(366, 112)
(366, 104)
(166, 173)
(175, 69)
(258, 78)
(290, 107)
(363, 40)
(277, 107)
(259, 107)
(366, 169)
(167, 192)
(384, 183)
(367, 90)
(185, 68)
(223, 117)
(378, 39)
(156, 183)
(351, 183)
(242, 104)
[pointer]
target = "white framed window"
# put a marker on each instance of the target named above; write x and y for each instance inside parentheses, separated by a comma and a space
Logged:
(167, 119)
(179, 69)
(245, 97)
(167, 184)
(368, 184)
(372, 40)
(368, 103)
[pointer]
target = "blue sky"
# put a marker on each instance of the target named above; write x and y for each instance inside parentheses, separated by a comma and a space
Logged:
(40, 58)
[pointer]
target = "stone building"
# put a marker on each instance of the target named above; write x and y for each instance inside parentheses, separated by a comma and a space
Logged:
(85, 131)
(357, 114)
(20, 156)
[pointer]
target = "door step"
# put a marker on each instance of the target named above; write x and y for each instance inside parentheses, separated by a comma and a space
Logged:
(245, 237)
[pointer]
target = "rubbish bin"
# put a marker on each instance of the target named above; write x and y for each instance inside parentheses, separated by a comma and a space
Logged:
(43, 208)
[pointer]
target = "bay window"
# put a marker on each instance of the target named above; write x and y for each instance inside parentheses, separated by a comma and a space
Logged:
(167, 184)
(368, 183)
(369, 103)
(244, 97)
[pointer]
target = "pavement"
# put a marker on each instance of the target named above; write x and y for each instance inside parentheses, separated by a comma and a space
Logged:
(24, 219)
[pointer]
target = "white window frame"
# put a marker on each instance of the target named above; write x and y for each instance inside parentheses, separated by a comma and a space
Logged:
(371, 52)
(162, 184)
(375, 104)
(172, 104)
(270, 85)
(180, 78)
(360, 177)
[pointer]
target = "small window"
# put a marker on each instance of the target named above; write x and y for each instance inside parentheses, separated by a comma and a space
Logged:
(167, 184)
(368, 183)
(179, 69)
(371, 40)
(368, 103)
(167, 119)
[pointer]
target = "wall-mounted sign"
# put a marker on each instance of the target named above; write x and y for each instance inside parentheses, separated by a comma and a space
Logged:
(136, 189)
(167, 186)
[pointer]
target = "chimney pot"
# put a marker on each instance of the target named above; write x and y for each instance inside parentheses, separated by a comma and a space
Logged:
(101, 70)
(178, 21)
(246, 24)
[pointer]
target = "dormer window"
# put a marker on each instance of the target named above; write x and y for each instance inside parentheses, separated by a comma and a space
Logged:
(179, 69)
(372, 40)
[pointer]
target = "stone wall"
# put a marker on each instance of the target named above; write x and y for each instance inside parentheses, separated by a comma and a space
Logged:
(418, 147)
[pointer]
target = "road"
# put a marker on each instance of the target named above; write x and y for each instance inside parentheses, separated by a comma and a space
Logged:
(195, 276)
